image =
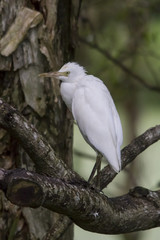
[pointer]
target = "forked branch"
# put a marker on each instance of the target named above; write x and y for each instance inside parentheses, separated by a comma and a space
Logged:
(67, 193)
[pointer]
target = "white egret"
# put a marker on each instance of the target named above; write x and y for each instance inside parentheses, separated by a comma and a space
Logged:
(93, 109)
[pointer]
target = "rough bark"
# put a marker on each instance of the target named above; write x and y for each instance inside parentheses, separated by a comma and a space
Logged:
(91, 210)
(72, 196)
(35, 36)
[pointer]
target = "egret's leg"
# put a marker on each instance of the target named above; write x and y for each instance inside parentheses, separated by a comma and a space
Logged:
(93, 172)
(97, 166)
(99, 157)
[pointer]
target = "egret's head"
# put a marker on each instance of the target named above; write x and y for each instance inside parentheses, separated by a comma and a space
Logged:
(69, 72)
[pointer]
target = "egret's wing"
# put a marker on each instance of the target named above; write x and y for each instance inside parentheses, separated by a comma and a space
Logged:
(97, 118)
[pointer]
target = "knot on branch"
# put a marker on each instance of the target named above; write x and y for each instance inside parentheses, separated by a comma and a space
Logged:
(24, 193)
(21, 190)
(151, 196)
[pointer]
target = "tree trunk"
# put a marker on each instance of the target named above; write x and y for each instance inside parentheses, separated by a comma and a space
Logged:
(35, 38)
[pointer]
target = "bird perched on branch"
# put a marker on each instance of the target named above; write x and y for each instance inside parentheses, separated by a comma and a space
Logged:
(93, 109)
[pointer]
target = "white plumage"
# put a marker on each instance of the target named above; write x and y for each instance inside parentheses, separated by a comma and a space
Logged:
(93, 109)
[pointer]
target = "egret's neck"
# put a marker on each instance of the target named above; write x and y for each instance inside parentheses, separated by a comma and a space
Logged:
(67, 91)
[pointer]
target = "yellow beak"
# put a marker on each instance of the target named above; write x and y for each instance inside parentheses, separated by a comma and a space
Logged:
(52, 74)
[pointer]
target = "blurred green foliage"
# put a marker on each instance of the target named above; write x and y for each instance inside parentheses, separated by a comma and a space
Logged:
(129, 31)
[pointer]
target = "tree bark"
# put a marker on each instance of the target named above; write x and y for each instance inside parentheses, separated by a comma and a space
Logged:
(36, 36)
(67, 193)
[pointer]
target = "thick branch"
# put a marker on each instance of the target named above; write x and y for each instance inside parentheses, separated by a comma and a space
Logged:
(129, 153)
(35, 145)
(58, 229)
(44, 157)
(120, 65)
(89, 209)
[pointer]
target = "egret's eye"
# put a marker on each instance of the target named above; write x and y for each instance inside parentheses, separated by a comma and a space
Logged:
(67, 73)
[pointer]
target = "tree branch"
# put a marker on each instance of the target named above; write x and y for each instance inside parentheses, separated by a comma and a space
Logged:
(34, 144)
(44, 157)
(129, 153)
(58, 228)
(88, 208)
(78, 11)
(114, 60)
(67, 193)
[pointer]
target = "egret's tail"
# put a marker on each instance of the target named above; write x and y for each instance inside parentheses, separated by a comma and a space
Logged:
(114, 159)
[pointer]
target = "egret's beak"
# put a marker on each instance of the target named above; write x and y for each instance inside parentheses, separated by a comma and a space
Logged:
(52, 74)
